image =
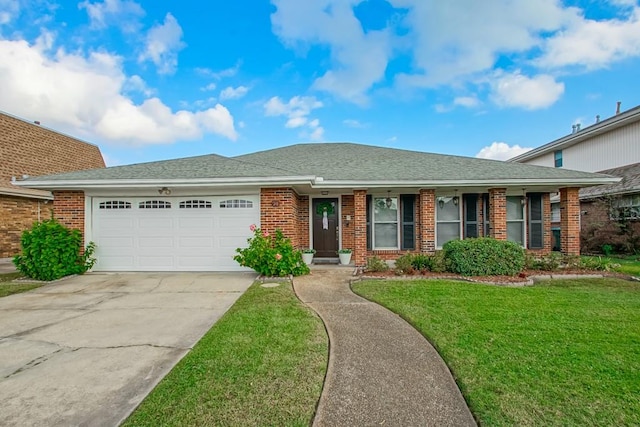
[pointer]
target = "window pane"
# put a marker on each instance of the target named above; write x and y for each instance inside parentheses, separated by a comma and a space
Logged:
(369, 228)
(535, 235)
(471, 230)
(408, 237)
(386, 235)
(449, 211)
(515, 232)
(514, 208)
(446, 232)
(383, 213)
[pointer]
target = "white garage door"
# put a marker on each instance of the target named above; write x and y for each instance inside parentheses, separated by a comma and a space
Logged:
(171, 233)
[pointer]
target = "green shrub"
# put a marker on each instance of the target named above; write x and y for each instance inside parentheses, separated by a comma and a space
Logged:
(51, 251)
(404, 264)
(271, 255)
(376, 264)
(422, 262)
(598, 263)
(439, 262)
(484, 257)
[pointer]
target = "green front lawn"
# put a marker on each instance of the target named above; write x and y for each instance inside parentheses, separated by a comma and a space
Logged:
(557, 353)
(262, 363)
(8, 287)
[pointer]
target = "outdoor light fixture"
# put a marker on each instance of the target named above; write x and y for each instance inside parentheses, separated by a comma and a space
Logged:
(164, 191)
(389, 202)
(524, 197)
(441, 202)
(456, 200)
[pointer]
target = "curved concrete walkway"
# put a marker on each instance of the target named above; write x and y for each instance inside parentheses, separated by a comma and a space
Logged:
(381, 370)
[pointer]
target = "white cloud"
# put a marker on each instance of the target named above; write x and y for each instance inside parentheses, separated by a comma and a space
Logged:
(355, 124)
(9, 9)
(466, 101)
(233, 93)
(297, 111)
(359, 59)
(163, 42)
(501, 151)
(219, 75)
(85, 96)
(593, 44)
(135, 83)
(209, 87)
(125, 14)
(530, 93)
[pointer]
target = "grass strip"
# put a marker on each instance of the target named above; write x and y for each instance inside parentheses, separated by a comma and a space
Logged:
(263, 363)
(565, 352)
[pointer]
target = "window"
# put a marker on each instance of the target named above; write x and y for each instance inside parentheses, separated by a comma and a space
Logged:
(557, 158)
(236, 204)
(515, 219)
(447, 219)
(115, 204)
(625, 207)
(470, 215)
(385, 223)
(407, 202)
(536, 216)
(195, 204)
(369, 225)
(555, 212)
(154, 204)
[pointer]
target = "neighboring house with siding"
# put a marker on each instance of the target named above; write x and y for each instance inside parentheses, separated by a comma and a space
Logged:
(191, 214)
(610, 146)
(28, 149)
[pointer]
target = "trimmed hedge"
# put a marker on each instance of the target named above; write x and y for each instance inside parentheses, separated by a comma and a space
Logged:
(484, 257)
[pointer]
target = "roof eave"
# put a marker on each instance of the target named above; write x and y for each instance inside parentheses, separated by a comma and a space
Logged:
(19, 193)
(150, 183)
(575, 182)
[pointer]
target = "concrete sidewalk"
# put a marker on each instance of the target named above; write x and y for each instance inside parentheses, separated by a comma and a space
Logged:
(381, 370)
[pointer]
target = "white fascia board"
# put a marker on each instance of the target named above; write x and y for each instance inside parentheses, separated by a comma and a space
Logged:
(149, 183)
(468, 183)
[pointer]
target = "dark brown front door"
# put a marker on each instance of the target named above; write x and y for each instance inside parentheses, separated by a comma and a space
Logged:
(325, 227)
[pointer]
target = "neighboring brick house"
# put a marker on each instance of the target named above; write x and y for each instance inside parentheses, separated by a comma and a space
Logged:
(192, 213)
(610, 146)
(28, 149)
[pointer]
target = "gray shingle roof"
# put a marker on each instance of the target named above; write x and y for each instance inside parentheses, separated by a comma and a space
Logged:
(630, 183)
(332, 162)
(356, 162)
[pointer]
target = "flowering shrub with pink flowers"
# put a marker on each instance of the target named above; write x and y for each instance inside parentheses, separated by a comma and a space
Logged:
(271, 255)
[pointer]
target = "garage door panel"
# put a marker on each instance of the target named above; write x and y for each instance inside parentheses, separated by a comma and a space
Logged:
(202, 237)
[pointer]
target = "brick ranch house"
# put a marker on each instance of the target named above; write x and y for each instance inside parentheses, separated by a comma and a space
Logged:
(192, 213)
(29, 149)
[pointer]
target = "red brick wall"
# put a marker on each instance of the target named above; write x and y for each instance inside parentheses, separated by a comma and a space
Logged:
(498, 213)
(68, 209)
(29, 149)
(569, 221)
(360, 227)
(16, 215)
(348, 233)
(284, 209)
(427, 209)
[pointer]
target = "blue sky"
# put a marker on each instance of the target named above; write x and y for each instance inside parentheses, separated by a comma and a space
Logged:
(152, 80)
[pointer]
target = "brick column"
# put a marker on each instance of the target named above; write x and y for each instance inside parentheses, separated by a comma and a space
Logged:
(498, 213)
(360, 227)
(569, 221)
(427, 205)
(278, 211)
(547, 235)
(68, 209)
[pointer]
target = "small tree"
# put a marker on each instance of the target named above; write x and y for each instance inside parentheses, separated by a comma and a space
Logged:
(51, 251)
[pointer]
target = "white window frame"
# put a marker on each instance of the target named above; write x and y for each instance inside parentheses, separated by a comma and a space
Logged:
(459, 221)
(522, 221)
(395, 197)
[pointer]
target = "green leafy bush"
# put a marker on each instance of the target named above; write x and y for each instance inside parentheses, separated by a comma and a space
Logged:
(598, 263)
(422, 262)
(404, 264)
(439, 263)
(271, 255)
(51, 251)
(376, 264)
(484, 257)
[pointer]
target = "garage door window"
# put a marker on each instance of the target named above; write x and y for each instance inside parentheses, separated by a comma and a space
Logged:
(195, 204)
(236, 203)
(115, 204)
(155, 204)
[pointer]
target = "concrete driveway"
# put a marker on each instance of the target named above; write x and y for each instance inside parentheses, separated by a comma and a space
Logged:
(87, 350)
